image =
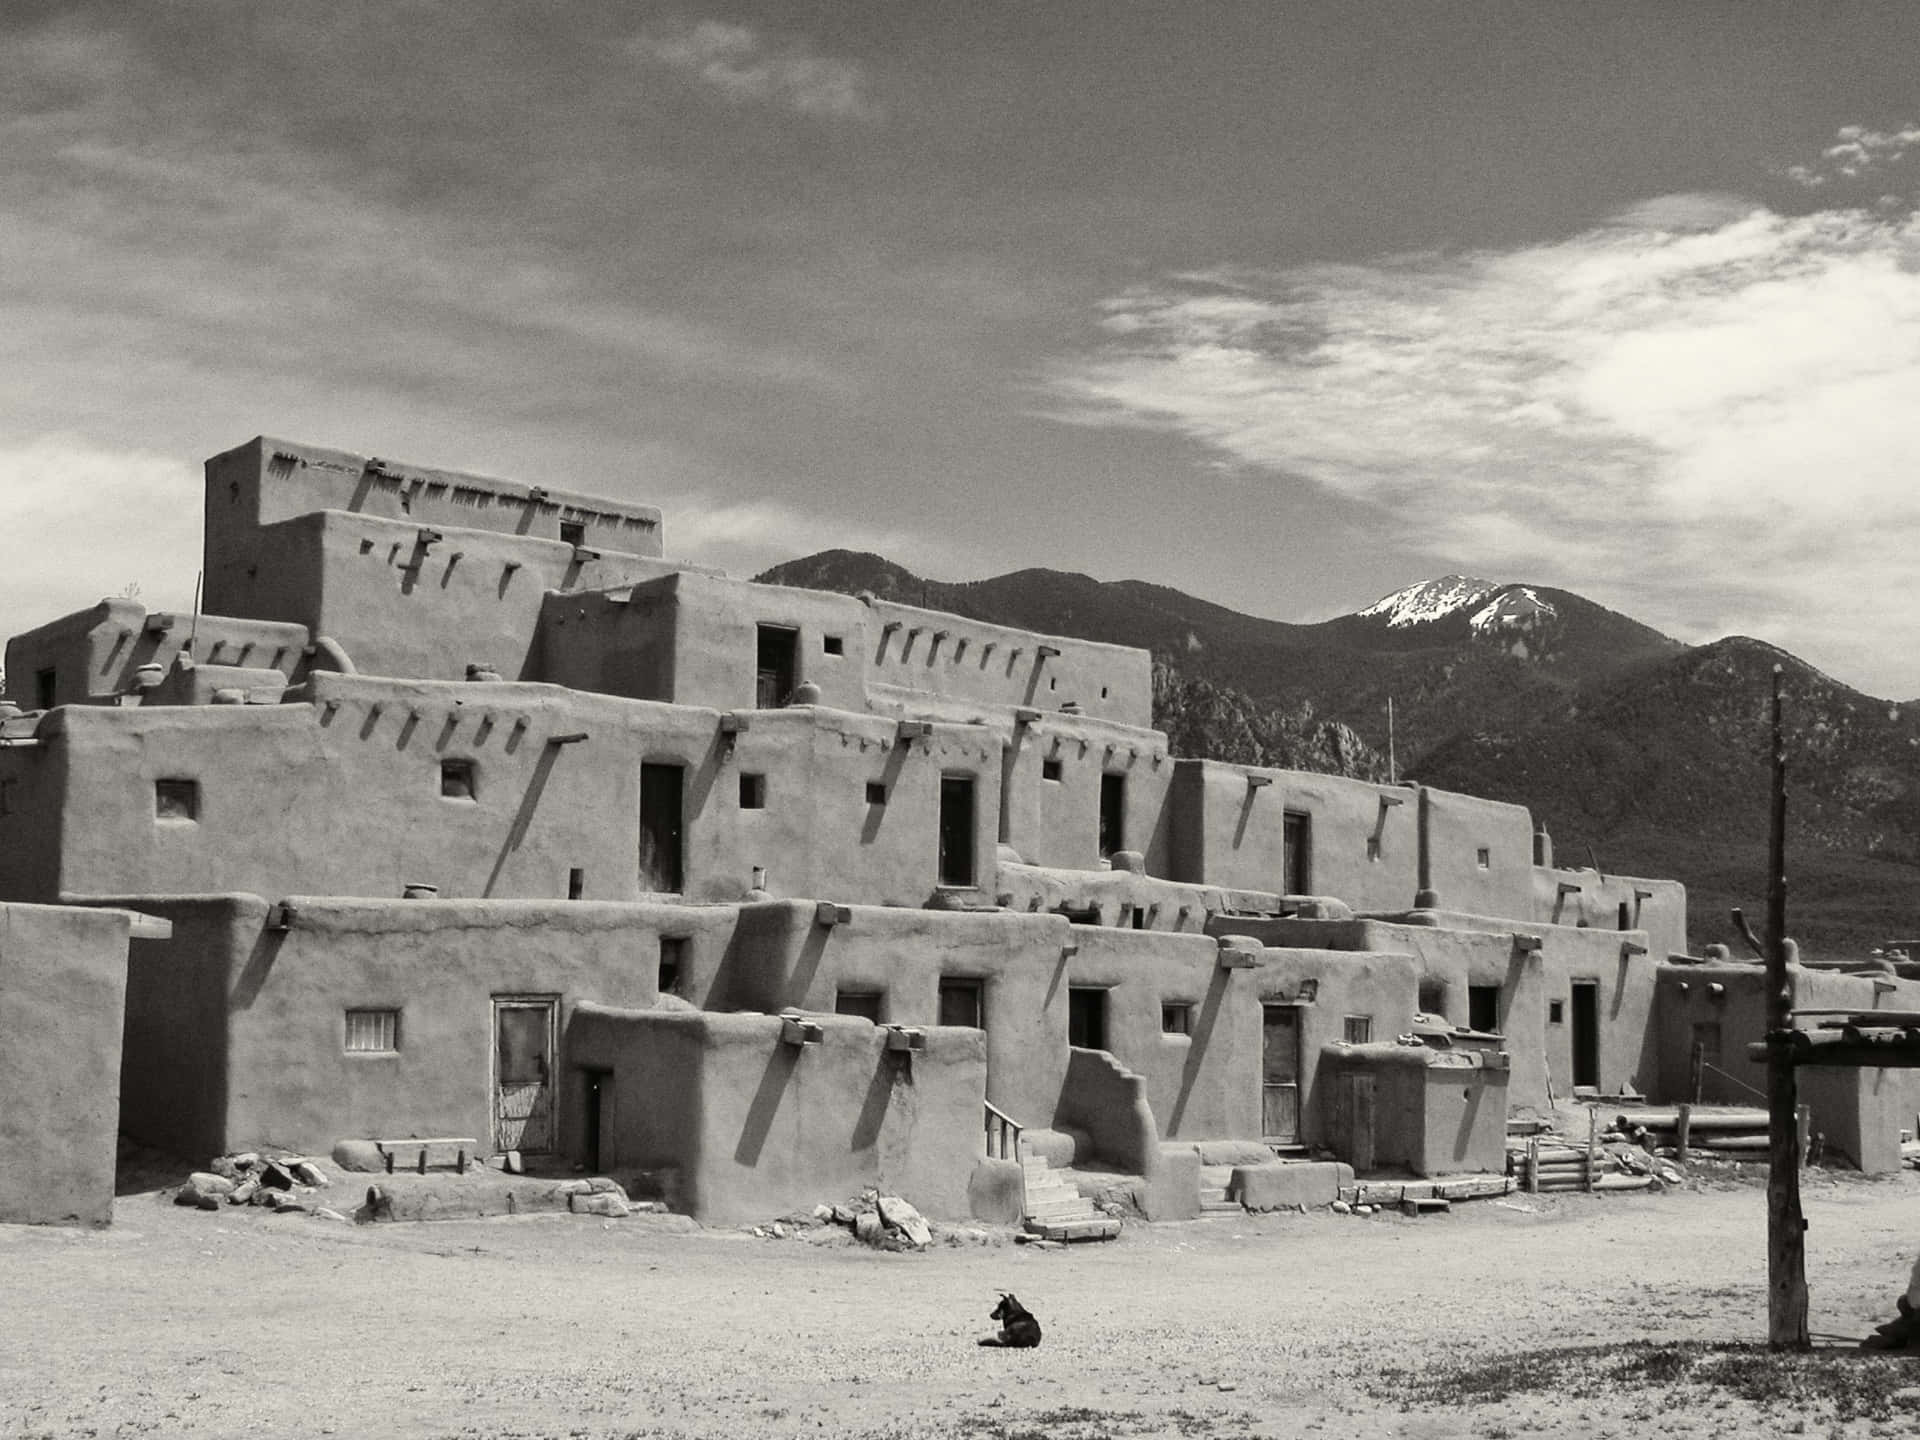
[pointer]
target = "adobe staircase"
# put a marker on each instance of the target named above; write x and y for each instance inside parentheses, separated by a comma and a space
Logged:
(1054, 1210)
(1214, 1180)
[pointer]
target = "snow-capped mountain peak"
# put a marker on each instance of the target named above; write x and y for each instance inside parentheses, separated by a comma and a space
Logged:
(1431, 600)
(1516, 607)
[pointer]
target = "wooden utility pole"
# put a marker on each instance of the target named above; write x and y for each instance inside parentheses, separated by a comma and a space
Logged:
(1786, 1225)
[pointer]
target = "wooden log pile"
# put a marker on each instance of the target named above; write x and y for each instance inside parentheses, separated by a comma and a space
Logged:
(1688, 1132)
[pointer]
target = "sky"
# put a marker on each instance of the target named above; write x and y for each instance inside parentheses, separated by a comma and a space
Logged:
(1287, 305)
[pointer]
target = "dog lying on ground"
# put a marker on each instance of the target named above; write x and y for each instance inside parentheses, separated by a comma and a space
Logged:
(1018, 1328)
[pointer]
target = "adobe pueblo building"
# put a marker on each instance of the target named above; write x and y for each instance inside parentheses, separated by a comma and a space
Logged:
(460, 811)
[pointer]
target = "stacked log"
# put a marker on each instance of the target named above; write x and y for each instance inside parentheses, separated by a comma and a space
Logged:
(1725, 1133)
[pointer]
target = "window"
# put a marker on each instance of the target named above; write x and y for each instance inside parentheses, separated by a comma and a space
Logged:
(1113, 813)
(1359, 1029)
(1483, 1008)
(573, 532)
(1050, 770)
(45, 686)
(867, 1004)
(457, 780)
(753, 791)
(960, 1004)
(576, 883)
(1433, 996)
(373, 1032)
(833, 645)
(1296, 856)
(1556, 1012)
(1176, 1018)
(673, 963)
(876, 792)
(1484, 858)
(176, 799)
(1087, 1017)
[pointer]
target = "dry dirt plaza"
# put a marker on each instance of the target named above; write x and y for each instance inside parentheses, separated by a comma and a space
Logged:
(1573, 1315)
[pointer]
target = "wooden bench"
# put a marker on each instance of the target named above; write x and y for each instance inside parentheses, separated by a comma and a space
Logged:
(414, 1154)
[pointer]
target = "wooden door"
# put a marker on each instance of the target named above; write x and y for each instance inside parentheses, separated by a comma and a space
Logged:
(523, 1045)
(1357, 1103)
(1280, 1074)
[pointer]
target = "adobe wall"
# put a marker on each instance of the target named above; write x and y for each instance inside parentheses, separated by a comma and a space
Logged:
(63, 975)
(33, 782)
(1480, 854)
(343, 796)
(95, 652)
(1860, 1111)
(1589, 899)
(756, 1127)
(1434, 1112)
(1230, 832)
(266, 481)
(1055, 822)
(279, 998)
(918, 654)
(404, 599)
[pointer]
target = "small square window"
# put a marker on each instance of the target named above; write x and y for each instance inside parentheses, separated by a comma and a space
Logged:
(1176, 1018)
(1050, 770)
(876, 792)
(373, 1032)
(753, 791)
(573, 532)
(457, 780)
(833, 645)
(960, 1003)
(867, 1004)
(176, 799)
(673, 963)
(1359, 1029)
(1556, 1012)
(1485, 858)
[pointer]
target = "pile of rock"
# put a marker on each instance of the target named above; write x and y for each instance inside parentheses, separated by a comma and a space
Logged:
(885, 1222)
(279, 1182)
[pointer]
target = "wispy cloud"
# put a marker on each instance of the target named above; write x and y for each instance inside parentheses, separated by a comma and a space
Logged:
(741, 65)
(745, 537)
(1856, 152)
(1703, 413)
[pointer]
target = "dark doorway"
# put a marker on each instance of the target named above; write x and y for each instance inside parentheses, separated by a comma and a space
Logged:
(1586, 1033)
(960, 1004)
(1296, 838)
(1086, 1017)
(776, 669)
(661, 788)
(599, 1083)
(1113, 814)
(1483, 1008)
(1280, 1074)
(956, 830)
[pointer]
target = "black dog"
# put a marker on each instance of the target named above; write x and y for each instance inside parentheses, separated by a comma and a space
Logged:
(1018, 1328)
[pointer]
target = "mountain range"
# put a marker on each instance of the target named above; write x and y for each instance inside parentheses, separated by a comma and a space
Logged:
(1641, 754)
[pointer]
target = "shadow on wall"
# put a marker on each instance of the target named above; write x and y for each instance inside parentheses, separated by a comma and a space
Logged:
(1197, 1048)
(782, 1060)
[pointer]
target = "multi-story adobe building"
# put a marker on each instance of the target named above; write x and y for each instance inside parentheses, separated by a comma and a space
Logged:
(458, 809)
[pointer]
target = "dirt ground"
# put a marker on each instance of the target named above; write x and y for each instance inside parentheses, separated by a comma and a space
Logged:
(1628, 1315)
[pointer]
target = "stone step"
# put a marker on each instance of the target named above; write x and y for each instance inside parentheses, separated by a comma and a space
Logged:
(1064, 1205)
(1103, 1227)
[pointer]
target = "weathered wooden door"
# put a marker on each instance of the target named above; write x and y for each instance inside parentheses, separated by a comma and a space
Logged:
(1280, 1074)
(523, 1043)
(1357, 1104)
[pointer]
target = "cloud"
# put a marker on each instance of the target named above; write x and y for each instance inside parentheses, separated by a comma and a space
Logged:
(69, 536)
(1857, 151)
(737, 63)
(746, 537)
(1700, 414)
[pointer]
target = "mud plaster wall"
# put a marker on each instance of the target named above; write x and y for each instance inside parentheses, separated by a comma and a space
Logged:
(1658, 907)
(33, 782)
(1057, 822)
(289, 1079)
(1859, 1111)
(1462, 828)
(782, 957)
(62, 990)
(95, 651)
(765, 1127)
(343, 796)
(926, 652)
(266, 480)
(1432, 1118)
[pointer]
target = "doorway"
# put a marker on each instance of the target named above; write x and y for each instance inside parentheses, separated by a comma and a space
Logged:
(523, 1044)
(661, 791)
(1113, 814)
(776, 666)
(1280, 1074)
(1586, 1033)
(596, 1116)
(1296, 853)
(1087, 1017)
(956, 830)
